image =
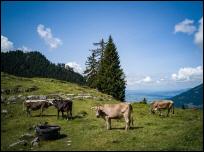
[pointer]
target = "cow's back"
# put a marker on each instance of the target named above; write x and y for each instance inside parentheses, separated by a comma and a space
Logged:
(33, 105)
(164, 103)
(116, 110)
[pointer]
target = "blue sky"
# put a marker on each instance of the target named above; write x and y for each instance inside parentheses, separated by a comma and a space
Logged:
(155, 54)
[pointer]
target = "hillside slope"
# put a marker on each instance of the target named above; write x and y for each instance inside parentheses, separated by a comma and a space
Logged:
(34, 64)
(181, 131)
(190, 98)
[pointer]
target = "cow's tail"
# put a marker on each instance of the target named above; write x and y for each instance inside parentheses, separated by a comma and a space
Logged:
(172, 107)
(132, 120)
(131, 114)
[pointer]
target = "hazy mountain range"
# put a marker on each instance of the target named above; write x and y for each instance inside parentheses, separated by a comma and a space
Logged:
(188, 98)
(191, 98)
(135, 95)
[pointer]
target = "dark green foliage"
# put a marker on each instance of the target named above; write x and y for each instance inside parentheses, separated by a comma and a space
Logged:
(99, 51)
(93, 63)
(111, 79)
(32, 64)
(91, 70)
(194, 96)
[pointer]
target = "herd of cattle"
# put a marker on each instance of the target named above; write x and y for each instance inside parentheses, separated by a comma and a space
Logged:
(61, 106)
(106, 111)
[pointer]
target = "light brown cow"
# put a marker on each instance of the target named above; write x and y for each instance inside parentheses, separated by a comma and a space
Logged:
(162, 104)
(115, 111)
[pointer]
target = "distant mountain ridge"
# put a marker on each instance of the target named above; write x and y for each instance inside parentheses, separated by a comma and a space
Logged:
(190, 98)
(138, 95)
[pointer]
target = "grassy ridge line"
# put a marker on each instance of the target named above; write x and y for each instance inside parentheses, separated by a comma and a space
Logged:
(46, 86)
(182, 131)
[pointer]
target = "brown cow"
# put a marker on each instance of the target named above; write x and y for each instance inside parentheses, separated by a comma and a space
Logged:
(115, 111)
(36, 105)
(161, 105)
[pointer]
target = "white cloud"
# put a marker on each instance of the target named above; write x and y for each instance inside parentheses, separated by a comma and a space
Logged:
(161, 80)
(133, 81)
(199, 34)
(76, 67)
(147, 79)
(6, 45)
(188, 73)
(130, 80)
(185, 26)
(25, 49)
(46, 35)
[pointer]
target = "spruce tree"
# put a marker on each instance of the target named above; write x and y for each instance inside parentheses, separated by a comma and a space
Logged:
(93, 63)
(91, 71)
(111, 79)
(99, 51)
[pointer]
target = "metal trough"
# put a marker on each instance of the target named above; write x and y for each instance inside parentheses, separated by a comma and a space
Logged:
(47, 132)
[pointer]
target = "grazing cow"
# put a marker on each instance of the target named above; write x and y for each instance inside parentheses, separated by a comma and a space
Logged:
(115, 111)
(162, 104)
(63, 106)
(36, 105)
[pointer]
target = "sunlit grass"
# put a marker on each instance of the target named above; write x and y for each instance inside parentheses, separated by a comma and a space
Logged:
(181, 131)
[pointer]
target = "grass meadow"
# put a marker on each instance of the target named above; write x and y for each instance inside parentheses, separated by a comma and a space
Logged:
(181, 131)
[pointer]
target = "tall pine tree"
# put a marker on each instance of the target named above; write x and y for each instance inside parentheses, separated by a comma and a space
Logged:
(99, 51)
(91, 71)
(111, 79)
(93, 63)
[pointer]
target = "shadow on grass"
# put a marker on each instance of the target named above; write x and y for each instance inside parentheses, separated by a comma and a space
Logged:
(62, 136)
(53, 137)
(73, 117)
(78, 117)
(123, 128)
(44, 115)
(61, 117)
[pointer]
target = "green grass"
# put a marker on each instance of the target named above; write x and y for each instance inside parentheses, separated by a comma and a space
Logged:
(181, 131)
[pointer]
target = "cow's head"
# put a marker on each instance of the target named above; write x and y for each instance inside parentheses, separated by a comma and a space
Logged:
(99, 111)
(153, 110)
(50, 102)
(55, 102)
(153, 107)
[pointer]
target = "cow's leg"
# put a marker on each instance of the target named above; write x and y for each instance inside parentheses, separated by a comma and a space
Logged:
(108, 123)
(67, 115)
(62, 114)
(71, 113)
(127, 120)
(29, 112)
(168, 112)
(160, 114)
(58, 114)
